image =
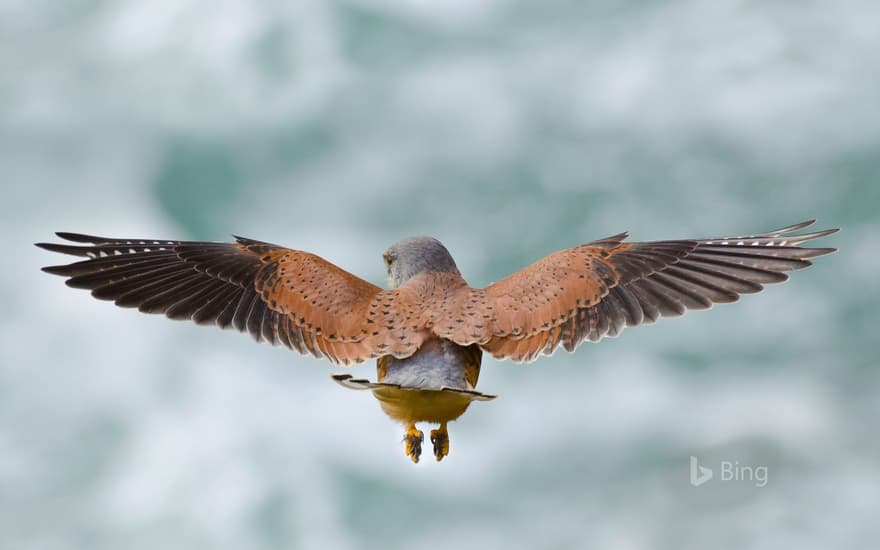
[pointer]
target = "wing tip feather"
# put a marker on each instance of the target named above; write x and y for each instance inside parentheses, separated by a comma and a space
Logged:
(81, 237)
(791, 228)
(60, 270)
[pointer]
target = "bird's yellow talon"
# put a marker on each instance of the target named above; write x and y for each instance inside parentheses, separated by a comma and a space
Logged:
(413, 439)
(440, 439)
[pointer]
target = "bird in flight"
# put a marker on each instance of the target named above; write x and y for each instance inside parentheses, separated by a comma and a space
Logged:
(428, 331)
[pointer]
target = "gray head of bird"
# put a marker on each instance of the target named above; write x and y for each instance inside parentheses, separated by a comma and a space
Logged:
(409, 257)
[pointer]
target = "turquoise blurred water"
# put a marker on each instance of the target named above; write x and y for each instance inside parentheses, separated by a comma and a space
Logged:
(508, 130)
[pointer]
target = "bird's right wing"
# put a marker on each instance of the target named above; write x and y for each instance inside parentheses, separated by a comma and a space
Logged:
(597, 289)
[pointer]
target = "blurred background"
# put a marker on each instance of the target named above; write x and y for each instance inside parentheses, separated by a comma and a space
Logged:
(507, 129)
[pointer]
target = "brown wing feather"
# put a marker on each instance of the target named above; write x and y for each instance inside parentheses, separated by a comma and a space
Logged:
(545, 294)
(278, 295)
(602, 287)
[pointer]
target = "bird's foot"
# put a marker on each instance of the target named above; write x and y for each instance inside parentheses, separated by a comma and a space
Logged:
(440, 439)
(413, 439)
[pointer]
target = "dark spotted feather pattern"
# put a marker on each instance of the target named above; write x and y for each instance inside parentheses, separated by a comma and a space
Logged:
(224, 284)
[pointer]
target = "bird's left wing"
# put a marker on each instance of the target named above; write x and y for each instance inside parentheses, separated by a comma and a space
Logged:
(597, 289)
(276, 294)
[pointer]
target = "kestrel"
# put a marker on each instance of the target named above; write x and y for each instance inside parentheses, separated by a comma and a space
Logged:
(429, 330)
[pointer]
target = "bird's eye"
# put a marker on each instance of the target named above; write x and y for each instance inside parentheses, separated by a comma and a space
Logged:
(388, 259)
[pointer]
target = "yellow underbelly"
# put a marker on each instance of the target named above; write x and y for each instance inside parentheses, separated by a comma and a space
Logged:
(413, 405)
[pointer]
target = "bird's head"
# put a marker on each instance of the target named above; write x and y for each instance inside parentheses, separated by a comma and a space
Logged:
(409, 257)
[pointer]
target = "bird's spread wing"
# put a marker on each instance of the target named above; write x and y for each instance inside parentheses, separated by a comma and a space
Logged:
(598, 289)
(276, 294)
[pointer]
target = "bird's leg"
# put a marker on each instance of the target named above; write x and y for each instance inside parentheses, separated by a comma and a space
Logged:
(440, 439)
(413, 440)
